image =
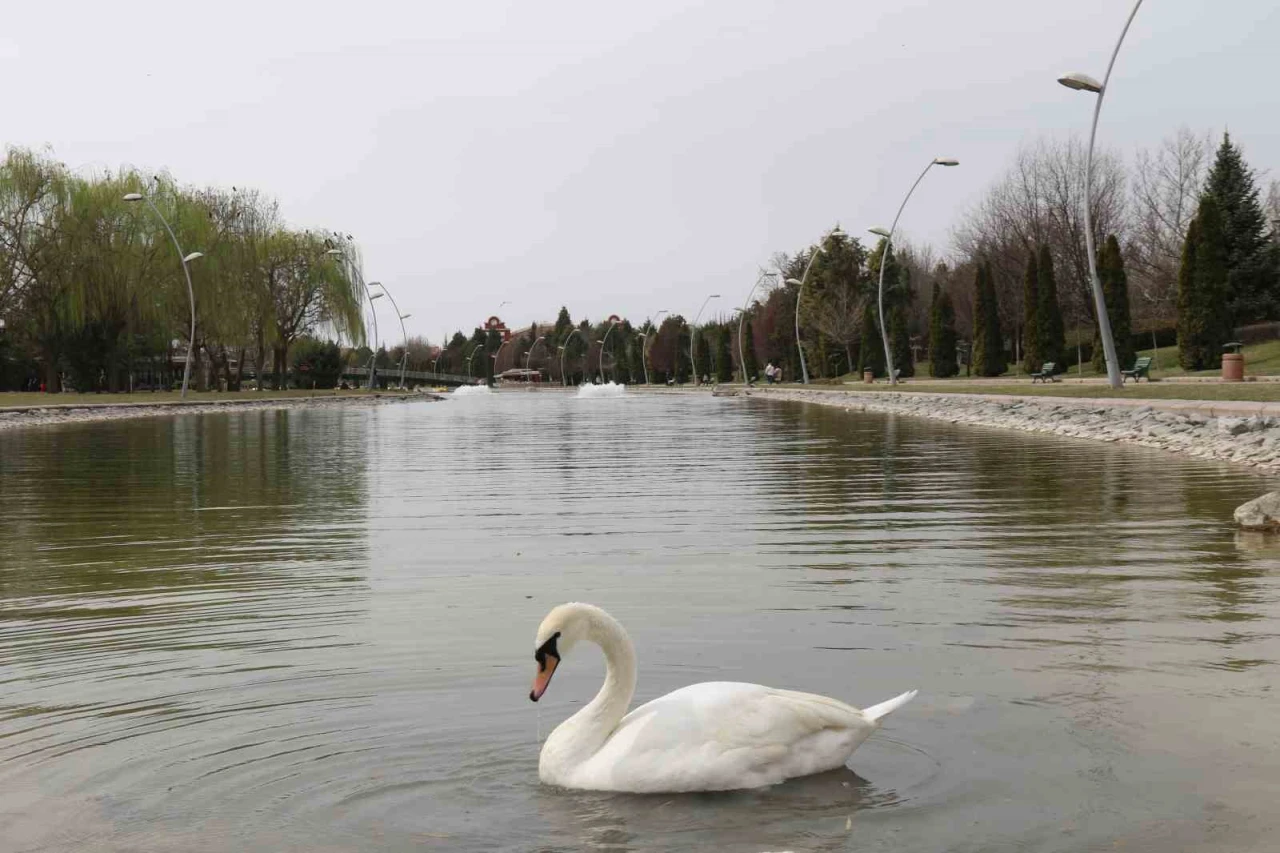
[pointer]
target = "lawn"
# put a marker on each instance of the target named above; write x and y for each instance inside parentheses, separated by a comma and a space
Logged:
(21, 399)
(1260, 392)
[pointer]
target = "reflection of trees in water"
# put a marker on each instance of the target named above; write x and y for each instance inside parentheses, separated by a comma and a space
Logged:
(156, 503)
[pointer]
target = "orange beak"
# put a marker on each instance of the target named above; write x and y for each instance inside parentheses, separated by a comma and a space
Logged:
(540, 681)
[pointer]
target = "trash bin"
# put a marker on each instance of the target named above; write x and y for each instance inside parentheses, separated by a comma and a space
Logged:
(1233, 363)
(868, 376)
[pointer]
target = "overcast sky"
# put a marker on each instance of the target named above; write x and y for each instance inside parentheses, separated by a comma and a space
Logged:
(615, 158)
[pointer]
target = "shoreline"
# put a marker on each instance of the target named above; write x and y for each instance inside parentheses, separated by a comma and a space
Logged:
(16, 417)
(1240, 432)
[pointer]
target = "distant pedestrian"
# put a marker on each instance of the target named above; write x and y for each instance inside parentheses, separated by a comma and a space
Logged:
(769, 373)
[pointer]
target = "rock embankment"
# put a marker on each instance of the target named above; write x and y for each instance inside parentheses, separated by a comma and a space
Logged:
(1176, 426)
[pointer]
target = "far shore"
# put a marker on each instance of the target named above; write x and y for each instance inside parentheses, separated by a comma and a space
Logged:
(35, 409)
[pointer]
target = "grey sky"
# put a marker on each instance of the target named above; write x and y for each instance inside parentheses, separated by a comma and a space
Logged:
(612, 157)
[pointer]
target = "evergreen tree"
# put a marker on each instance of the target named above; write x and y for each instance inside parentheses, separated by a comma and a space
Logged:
(900, 343)
(635, 359)
(871, 348)
(724, 362)
(752, 367)
(1031, 359)
(702, 352)
(564, 324)
(1051, 336)
(942, 335)
(1115, 290)
(1204, 318)
(988, 343)
(1251, 259)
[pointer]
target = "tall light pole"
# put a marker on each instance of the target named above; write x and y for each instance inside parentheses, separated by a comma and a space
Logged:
(373, 358)
(496, 353)
(528, 356)
(472, 357)
(884, 259)
(601, 343)
(644, 358)
(693, 364)
(191, 293)
(1085, 83)
(742, 316)
(404, 352)
(644, 339)
(799, 283)
(564, 348)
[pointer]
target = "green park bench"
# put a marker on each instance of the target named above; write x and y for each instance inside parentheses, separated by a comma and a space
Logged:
(1141, 368)
(1046, 373)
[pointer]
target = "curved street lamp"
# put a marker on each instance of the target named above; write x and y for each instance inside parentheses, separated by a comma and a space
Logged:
(404, 354)
(884, 259)
(800, 283)
(742, 316)
(564, 348)
(1085, 83)
(529, 355)
(644, 339)
(601, 343)
(644, 357)
(373, 357)
(693, 364)
(191, 293)
(471, 358)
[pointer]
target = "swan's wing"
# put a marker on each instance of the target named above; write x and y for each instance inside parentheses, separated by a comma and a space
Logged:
(719, 735)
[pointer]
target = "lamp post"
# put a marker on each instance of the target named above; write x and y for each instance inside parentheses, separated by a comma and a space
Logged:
(404, 353)
(644, 340)
(742, 316)
(373, 358)
(800, 283)
(529, 355)
(884, 259)
(1085, 83)
(472, 357)
(496, 353)
(601, 343)
(693, 364)
(564, 348)
(644, 357)
(191, 293)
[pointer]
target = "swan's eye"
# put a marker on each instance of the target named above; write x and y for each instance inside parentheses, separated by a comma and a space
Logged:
(547, 648)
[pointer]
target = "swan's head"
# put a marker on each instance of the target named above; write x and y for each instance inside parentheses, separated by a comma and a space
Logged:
(559, 632)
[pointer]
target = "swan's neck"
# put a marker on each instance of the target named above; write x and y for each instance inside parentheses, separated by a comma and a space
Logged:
(592, 726)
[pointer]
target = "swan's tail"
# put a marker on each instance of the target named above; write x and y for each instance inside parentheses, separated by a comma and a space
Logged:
(875, 712)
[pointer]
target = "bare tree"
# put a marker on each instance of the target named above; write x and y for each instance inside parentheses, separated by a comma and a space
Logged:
(1167, 184)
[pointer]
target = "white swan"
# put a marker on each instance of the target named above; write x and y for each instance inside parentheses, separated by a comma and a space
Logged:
(714, 736)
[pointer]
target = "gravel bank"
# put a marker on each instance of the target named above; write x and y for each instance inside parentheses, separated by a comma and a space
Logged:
(1245, 433)
(15, 417)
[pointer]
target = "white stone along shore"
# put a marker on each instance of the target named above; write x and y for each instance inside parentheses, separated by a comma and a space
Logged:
(1241, 432)
(23, 416)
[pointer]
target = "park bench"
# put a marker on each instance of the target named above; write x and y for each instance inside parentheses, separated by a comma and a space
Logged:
(1046, 373)
(1141, 368)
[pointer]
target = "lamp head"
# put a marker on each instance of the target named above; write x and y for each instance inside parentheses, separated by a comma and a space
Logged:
(373, 296)
(405, 316)
(880, 232)
(1080, 82)
(133, 197)
(794, 281)
(191, 257)
(945, 161)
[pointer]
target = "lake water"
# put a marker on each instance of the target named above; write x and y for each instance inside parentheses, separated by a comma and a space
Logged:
(313, 630)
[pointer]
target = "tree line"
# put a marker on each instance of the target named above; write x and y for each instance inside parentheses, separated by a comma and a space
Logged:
(92, 291)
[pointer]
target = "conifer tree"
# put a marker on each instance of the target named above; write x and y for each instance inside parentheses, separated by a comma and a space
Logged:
(635, 358)
(702, 352)
(1051, 337)
(1204, 319)
(1251, 259)
(564, 325)
(988, 343)
(751, 369)
(942, 335)
(871, 348)
(900, 343)
(724, 362)
(1031, 359)
(1115, 290)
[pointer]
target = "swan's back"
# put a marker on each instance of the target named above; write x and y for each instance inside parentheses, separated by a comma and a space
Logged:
(721, 735)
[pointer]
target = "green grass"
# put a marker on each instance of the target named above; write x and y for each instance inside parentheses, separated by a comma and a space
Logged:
(1260, 392)
(19, 399)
